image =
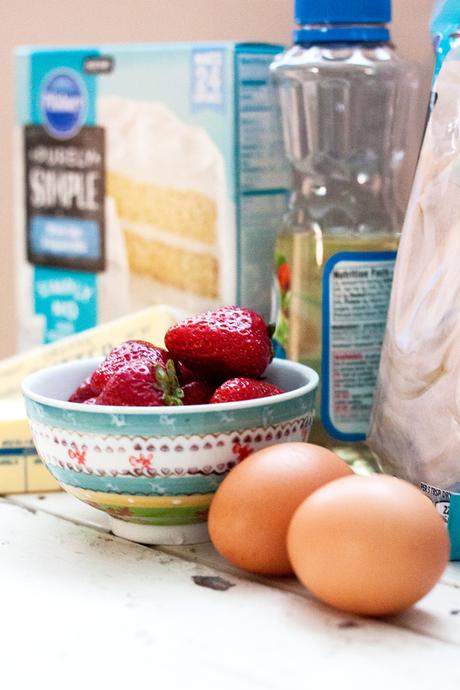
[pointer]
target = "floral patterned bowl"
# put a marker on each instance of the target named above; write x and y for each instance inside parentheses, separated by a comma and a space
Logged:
(155, 470)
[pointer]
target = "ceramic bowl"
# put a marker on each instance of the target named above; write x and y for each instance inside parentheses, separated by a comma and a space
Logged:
(154, 470)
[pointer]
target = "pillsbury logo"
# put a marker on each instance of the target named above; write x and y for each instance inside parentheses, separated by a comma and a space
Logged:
(63, 103)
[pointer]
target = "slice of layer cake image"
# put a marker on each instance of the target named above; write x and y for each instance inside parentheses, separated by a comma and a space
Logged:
(167, 180)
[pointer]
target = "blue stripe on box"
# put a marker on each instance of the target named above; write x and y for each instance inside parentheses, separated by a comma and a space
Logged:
(454, 526)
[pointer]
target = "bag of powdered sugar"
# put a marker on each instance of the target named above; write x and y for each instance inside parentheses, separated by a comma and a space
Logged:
(415, 425)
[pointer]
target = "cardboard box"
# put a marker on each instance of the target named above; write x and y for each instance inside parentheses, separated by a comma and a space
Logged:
(21, 469)
(146, 174)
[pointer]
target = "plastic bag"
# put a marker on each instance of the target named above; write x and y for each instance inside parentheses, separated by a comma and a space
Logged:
(445, 20)
(415, 425)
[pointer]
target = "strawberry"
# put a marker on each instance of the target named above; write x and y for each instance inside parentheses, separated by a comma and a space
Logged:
(243, 389)
(284, 277)
(83, 392)
(129, 351)
(197, 393)
(90, 401)
(140, 383)
(184, 374)
(230, 341)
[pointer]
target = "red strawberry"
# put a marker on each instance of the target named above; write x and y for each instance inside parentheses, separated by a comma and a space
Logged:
(184, 374)
(90, 401)
(197, 393)
(83, 392)
(243, 389)
(230, 341)
(140, 383)
(129, 351)
(284, 277)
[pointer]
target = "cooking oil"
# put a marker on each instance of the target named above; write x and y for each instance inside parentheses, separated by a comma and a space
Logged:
(345, 100)
(360, 268)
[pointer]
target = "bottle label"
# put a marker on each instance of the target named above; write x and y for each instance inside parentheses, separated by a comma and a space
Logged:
(356, 293)
(447, 503)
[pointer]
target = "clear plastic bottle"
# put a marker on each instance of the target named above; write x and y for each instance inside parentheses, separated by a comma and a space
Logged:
(345, 99)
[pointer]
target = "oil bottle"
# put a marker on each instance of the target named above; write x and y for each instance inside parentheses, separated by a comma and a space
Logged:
(345, 99)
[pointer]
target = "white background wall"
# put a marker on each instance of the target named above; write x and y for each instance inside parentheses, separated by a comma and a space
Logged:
(95, 21)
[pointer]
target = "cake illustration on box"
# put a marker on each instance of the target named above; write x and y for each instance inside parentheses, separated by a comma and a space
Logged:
(167, 180)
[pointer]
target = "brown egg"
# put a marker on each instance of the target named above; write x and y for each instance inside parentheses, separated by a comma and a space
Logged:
(253, 506)
(368, 545)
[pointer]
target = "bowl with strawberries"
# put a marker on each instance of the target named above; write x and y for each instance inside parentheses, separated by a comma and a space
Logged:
(148, 433)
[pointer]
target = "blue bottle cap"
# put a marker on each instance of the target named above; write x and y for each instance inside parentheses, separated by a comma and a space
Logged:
(342, 20)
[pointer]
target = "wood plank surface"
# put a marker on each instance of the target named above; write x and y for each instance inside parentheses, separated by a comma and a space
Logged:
(437, 615)
(83, 606)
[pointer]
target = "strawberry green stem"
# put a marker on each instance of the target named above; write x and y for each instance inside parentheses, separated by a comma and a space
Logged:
(167, 382)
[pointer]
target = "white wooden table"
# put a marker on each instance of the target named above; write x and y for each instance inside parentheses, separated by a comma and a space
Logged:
(82, 608)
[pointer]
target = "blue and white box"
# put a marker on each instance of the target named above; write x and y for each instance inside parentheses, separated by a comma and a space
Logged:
(147, 174)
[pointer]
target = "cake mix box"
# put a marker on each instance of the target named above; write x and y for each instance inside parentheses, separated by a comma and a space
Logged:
(145, 174)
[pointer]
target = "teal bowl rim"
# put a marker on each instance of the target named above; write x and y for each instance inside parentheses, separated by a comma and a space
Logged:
(31, 379)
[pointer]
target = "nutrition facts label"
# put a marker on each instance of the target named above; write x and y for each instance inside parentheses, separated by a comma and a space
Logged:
(356, 293)
(263, 178)
(261, 157)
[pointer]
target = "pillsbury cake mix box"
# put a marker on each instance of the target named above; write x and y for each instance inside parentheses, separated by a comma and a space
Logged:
(146, 174)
